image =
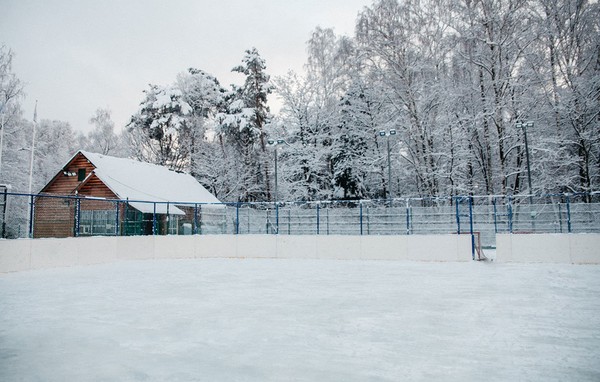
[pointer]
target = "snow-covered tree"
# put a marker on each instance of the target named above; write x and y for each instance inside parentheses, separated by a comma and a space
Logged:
(161, 127)
(102, 139)
(210, 161)
(244, 125)
(403, 45)
(570, 34)
(11, 90)
(11, 87)
(358, 156)
(311, 115)
(55, 144)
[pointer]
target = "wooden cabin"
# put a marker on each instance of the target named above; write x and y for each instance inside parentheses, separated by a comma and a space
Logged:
(96, 194)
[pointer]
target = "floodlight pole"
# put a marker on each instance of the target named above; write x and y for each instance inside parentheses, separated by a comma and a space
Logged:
(387, 134)
(275, 142)
(524, 126)
(31, 170)
(276, 178)
(32, 149)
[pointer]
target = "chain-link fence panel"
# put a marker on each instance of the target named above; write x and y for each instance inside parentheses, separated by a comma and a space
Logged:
(40, 216)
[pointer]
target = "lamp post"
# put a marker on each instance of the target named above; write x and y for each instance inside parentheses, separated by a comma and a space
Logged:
(384, 133)
(32, 148)
(524, 126)
(276, 142)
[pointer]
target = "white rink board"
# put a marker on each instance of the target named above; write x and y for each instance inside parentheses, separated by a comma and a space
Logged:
(580, 248)
(18, 255)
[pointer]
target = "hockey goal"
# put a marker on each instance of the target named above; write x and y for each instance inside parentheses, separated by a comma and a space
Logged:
(478, 248)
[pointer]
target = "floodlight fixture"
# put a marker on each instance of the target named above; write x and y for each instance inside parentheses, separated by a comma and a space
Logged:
(524, 126)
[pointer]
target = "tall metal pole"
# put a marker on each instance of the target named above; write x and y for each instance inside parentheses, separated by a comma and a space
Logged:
(31, 169)
(389, 169)
(525, 126)
(275, 144)
(276, 189)
(32, 148)
(387, 134)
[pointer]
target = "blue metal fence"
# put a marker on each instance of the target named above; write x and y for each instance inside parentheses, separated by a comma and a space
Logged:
(59, 216)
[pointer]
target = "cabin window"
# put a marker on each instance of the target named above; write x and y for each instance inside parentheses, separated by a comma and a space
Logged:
(81, 174)
(173, 225)
(97, 222)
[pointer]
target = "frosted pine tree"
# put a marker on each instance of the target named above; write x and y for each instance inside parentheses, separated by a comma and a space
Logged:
(210, 159)
(161, 128)
(244, 123)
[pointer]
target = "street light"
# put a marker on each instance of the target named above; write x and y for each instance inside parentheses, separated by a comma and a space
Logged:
(524, 126)
(387, 134)
(276, 142)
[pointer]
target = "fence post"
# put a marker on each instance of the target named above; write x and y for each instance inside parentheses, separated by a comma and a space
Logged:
(5, 202)
(568, 213)
(510, 215)
(199, 223)
(237, 218)
(224, 221)
(408, 216)
(195, 220)
(368, 221)
(318, 212)
(154, 219)
(168, 220)
(457, 201)
(117, 218)
(248, 218)
(276, 218)
(560, 222)
(327, 218)
(126, 212)
(361, 217)
(471, 226)
(495, 215)
(31, 208)
(77, 215)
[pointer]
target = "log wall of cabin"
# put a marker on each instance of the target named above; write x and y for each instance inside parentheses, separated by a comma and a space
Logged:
(66, 184)
(96, 188)
(54, 217)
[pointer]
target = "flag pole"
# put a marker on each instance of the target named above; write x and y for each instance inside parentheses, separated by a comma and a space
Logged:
(32, 147)
(31, 167)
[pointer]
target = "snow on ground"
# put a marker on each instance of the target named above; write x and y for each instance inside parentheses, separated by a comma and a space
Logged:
(301, 320)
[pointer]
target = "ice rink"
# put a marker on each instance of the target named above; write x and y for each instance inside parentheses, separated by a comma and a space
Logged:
(301, 320)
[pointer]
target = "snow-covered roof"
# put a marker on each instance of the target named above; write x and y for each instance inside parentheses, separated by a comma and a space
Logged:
(139, 181)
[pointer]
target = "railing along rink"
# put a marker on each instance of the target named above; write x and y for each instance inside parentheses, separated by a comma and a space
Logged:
(38, 215)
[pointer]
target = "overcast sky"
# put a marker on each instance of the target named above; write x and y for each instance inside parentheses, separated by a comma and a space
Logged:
(76, 56)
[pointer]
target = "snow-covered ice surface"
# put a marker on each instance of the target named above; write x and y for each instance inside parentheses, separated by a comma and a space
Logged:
(301, 320)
